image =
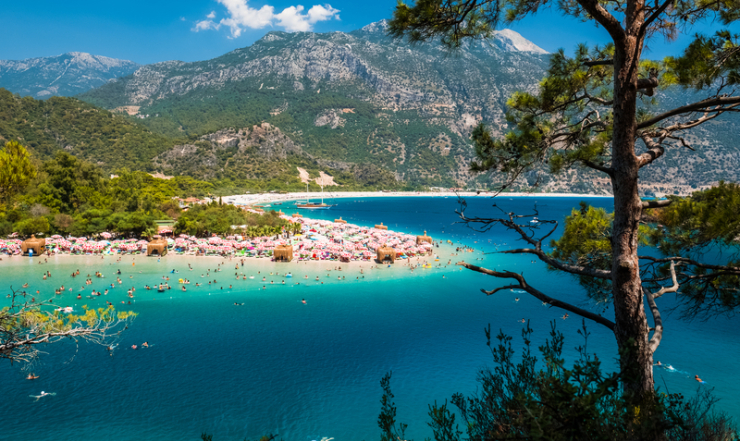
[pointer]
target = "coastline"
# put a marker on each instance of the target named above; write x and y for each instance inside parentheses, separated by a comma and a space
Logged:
(265, 198)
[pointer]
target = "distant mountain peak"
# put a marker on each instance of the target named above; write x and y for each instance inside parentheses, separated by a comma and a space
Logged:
(512, 41)
(378, 26)
(505, 39)
(65, 74)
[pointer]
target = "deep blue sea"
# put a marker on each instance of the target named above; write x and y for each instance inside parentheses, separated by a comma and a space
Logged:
(309, 371)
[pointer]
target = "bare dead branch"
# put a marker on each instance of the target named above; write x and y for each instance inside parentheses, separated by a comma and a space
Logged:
(656, 204)
(524, 286)
(528, 237)
(598, 63)
(655, 151)
(571, 269)
(678, 259)
(608, 170)
(658, 333)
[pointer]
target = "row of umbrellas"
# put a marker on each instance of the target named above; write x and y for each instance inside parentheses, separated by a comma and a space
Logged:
(319, 239)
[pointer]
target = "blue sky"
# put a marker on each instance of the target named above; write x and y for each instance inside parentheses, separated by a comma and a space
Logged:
(148, 31)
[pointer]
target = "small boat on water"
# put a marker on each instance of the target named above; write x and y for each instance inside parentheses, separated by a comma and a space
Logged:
(307, 205)
(313, 206)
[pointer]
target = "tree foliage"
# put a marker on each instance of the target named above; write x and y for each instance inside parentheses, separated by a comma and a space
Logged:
(214, 218)
(16, 170)
(27, 325)
(545, 399)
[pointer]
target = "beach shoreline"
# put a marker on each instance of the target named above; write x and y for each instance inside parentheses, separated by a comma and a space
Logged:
(268, 198)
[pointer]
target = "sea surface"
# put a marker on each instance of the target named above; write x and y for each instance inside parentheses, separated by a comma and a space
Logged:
(312, 371)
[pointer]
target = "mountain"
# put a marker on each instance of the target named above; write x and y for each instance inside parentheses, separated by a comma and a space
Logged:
(370, 108)
(348, 98)
(258, 157)
(63, 75)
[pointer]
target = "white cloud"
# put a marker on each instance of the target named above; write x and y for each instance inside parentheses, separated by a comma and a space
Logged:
(322, 13)
(293, 20)
(204, 25)
(241, 16)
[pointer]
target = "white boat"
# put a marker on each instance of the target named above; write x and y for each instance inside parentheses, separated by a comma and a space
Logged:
(312, 205)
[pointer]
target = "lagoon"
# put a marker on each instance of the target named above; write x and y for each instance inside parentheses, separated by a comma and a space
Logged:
(308, 371)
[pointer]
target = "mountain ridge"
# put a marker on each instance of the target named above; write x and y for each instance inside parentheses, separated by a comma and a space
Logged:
(66, 74)
(374, 110)
(407, 110)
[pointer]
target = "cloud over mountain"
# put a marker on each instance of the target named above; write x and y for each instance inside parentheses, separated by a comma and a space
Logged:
(240, 16)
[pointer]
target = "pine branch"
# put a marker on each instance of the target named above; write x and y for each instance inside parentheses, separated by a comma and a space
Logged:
(704, 105)
(608, 21)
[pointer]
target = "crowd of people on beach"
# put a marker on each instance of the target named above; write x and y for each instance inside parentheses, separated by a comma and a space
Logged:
(318, 240)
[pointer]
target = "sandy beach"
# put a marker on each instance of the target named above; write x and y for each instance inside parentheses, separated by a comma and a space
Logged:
(269, 198)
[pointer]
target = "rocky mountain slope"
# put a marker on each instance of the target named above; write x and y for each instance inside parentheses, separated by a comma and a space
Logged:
(63, 75)
(354, 97)
(345, 99)
(260, 156)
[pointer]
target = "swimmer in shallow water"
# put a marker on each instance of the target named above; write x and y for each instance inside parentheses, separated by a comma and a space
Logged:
(696, 377)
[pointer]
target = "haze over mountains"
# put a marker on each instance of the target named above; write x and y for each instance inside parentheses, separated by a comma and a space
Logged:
(62, 75)
(355, 104)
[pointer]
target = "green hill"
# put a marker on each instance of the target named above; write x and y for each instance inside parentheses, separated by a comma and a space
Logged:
(96, 135)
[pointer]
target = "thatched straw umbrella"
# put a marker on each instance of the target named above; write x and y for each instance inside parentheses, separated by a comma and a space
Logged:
(381, 226)
(283, 253)
(37, 245)
(280, 212)
(297, 215)
(424, 238)
(340, 221)
(386, 253)
(157, 246)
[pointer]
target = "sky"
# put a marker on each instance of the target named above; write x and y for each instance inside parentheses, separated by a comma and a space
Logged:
(149, 31)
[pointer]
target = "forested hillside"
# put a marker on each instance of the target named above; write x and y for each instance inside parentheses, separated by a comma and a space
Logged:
(266, 159)
(111, 141)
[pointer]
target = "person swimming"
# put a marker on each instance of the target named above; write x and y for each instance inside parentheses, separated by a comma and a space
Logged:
(43, 394)
(32, 377)
(696, 377)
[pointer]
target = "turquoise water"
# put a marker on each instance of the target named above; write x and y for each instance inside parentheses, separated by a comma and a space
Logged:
(306, 371)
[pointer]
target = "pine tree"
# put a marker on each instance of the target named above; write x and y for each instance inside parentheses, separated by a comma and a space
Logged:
(591, 111)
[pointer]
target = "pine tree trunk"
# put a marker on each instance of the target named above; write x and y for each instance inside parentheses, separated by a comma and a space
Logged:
(631, 330)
